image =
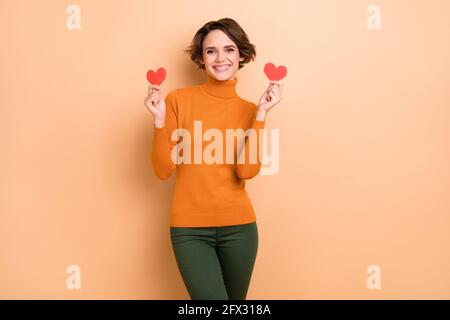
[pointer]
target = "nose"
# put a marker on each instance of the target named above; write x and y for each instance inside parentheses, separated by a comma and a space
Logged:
(219, 57)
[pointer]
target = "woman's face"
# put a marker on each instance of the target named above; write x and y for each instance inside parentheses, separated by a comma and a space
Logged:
(220, 55)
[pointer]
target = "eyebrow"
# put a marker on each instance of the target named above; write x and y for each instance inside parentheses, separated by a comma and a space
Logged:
(228, 46)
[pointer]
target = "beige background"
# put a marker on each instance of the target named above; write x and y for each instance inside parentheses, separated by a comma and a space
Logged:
(364, 173)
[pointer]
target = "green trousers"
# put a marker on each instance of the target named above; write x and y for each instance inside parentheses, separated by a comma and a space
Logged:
(216, 263)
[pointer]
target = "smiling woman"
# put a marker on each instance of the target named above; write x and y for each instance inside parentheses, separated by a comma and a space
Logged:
(212, 220)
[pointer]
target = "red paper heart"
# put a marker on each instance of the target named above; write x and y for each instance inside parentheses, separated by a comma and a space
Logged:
(274, 73)
(156, 77)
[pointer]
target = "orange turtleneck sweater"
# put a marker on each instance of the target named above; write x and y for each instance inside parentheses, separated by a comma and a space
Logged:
(208, 195)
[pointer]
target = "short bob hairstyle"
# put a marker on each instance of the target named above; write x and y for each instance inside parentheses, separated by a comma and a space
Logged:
(233, 30)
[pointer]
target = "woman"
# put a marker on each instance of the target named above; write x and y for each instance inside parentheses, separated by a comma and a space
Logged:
(212, 222)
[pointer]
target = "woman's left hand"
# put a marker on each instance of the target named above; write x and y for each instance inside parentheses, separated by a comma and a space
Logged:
(271, 97)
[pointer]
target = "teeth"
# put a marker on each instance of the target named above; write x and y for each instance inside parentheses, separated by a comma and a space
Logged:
(221, 68)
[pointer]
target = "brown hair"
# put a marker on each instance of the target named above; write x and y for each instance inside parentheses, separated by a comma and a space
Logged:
(233, 30)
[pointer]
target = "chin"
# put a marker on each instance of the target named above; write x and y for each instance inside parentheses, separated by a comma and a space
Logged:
(222, 77)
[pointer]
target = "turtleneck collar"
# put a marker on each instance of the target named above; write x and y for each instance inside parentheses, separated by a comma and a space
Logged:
(220, 88)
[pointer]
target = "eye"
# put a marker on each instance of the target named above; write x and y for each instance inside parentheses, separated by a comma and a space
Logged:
(228, 50)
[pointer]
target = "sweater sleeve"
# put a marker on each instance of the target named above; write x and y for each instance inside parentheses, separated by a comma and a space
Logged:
(162, 163)
(246, 169)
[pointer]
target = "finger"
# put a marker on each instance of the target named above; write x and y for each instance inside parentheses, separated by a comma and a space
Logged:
(160, 96)
(279, 89)
(278, 85)
(275, 89)
(153, 110)
(154, 95)
(148, 100)
(272, 96)
(275, 82)
(149, 104)
(152, 88)
(277, 96)
(150, 96)
(271, 86)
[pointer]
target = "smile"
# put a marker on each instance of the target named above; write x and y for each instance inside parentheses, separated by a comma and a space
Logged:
(221, 68)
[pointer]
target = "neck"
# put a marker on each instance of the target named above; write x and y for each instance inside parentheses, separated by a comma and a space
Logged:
(220, 88)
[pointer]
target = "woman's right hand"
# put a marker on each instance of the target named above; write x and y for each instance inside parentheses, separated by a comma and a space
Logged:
(156, 105)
